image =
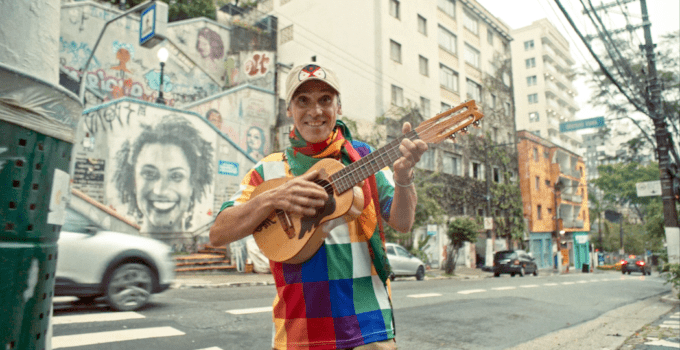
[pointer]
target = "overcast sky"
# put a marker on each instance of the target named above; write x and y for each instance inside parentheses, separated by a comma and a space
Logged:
(663, 14)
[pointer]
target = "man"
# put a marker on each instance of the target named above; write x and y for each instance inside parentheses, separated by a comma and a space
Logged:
(339, 298)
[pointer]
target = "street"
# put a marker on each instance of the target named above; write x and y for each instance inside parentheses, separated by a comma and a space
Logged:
(487, 313)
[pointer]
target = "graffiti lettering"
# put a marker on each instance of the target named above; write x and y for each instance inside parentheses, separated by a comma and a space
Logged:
(256, 65)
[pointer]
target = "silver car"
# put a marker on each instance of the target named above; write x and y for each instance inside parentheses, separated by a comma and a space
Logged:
(404, 263)
(121, 268)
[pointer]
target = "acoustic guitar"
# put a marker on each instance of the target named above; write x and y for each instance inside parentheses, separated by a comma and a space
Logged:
(294, 239)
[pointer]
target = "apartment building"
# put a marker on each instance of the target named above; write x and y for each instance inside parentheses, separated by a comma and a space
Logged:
(555, 199)
(543, 76)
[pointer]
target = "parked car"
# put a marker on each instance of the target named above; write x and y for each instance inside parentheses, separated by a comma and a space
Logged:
(513, 262)
(635, 264)
(404, 263)
(122, 269)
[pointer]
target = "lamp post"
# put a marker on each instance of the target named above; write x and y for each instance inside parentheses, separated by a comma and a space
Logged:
(162, 56)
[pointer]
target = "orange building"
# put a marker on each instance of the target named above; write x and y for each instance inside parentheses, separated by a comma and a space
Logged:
(555, 201)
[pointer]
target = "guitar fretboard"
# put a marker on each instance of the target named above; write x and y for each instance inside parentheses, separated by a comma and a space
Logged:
(362, 169)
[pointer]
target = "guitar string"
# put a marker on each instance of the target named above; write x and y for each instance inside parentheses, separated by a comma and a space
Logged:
(411, 135)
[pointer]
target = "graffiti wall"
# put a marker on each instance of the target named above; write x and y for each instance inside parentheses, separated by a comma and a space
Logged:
(164, 168)
(121, 67)
(245, 114)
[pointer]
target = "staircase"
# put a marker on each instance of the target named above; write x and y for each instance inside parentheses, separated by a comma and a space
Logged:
(207, 260)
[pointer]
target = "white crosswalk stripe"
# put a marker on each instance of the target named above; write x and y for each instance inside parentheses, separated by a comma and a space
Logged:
(103, 317)
(425, 295)
(471, 291)
(250, 311)
(66, 341)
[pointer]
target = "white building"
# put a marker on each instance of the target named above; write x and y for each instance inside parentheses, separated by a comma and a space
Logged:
(392, 53)
(543, 76)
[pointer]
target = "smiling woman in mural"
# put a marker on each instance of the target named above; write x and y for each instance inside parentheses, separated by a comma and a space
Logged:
(255, 142)
(162, 173)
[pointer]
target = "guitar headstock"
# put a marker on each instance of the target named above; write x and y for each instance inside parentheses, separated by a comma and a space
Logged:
(447, 123)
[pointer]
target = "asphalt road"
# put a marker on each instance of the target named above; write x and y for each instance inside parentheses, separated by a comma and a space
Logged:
(566, 311)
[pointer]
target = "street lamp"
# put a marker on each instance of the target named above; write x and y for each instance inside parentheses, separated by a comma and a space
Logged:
(162, 56)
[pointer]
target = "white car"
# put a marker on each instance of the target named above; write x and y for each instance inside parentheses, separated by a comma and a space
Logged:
(404, 263)
(124, 269)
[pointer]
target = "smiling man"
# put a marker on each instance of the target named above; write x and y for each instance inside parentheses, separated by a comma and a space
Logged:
(339, 298)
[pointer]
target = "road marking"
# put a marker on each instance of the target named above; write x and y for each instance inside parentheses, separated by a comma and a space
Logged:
(425, 295)
(102, 317)
(529, 286)
(63, 299)
(504, 288)
(470, 291)
(254, 310)
(665, 343)
(549, 284)
(582, 281)
(68, 341)
(568, 282)
(213, 348)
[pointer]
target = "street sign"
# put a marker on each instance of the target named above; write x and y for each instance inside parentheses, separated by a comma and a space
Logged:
(431, 230)
(147, 25)
(488, 223)
(648, 188)
(596, 122)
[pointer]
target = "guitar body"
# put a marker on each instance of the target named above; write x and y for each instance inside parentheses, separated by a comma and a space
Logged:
(294, 239)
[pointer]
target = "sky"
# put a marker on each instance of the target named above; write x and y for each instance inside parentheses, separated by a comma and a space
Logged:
(663, 14)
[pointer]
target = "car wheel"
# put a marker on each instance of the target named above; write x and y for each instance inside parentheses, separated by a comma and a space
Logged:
(129, 287)
(497, 274)
(629, 272)
(420, 274)
(623, 272)
(512, 274)
(392, 276)
(522, 272)
(536, 271)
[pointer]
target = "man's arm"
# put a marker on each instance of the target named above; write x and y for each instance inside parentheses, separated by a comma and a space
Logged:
(298, 196)
(402, 214)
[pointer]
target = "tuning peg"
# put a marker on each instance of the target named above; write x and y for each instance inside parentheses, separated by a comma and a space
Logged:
(476, 124)
(453, 138)
(464, 131)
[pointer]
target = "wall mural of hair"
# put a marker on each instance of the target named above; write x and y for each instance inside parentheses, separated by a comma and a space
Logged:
(163, 173)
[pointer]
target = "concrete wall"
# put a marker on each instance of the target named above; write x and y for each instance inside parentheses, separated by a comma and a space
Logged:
(167, 170)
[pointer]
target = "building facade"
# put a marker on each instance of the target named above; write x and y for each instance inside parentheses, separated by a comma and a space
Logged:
(555, 199)
(543, 76)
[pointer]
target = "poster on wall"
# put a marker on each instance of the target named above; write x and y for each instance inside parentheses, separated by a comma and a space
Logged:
(160, 171)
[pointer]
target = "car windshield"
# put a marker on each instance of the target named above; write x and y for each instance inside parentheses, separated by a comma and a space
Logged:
(75, 222)
(505, 255)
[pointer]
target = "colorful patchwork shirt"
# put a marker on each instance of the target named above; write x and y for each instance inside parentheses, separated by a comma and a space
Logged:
(335, 300)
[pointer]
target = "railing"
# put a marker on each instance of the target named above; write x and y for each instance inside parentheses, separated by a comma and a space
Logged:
(572, 223)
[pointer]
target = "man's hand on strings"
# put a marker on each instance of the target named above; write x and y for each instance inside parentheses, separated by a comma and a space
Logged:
(411, 152)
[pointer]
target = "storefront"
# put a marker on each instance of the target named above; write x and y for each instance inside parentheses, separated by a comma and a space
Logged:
(581, 253)
(540, 247)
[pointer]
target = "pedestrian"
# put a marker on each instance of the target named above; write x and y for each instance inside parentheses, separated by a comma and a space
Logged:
(340, 297)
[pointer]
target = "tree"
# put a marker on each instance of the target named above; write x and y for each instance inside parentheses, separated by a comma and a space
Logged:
(459, 231)
(182, 9)
(617, 181)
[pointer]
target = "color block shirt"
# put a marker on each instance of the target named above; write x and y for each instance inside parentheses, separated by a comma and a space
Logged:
(335, 300)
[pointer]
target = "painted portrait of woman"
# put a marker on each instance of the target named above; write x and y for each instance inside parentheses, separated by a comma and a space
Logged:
(210, 47)
(255, 142)
(162, 173)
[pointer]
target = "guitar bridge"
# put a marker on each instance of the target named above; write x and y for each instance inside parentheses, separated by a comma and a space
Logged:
(286, 224)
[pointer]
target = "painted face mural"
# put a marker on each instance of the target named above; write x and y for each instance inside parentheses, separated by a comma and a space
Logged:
(255, 142)
(163, 173)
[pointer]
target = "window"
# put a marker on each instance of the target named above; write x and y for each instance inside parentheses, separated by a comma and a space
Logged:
(448, 78)
(448, 6)
(538, 212)
(507, 109)
(474, 91)
(450, 163)
(427, 160)
(471, 56)
(445, 107)
(395, 51)
(476, 171)
(528, 45)
(530, 62)
(397, 96)
(533, 98)
(425, 107)
(489, 36)
(547, 183)
(496, 175)
(546, 155)
(471, 24)
(423, 66)
(531, 80)
(286, 34)
(493, 101)
(447, 40)
(533, 117)
(422, 25)
(535, 154)
(480, 212)
(394, 8)
(538, 182)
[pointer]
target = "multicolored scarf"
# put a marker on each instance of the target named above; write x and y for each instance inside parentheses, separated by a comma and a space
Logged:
(303, 155)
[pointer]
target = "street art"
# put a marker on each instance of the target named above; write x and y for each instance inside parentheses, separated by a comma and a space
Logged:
(124, 53)
(164, 174)
(105, 119)
(231, 72)
(76, 54)
(210, 47)
(215, 118)
(255, 142)
(257, 65)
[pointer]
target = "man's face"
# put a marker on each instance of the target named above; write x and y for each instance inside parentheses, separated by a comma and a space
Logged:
(314, 109)
(163, 190)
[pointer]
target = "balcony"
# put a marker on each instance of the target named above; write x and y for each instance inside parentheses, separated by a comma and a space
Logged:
(571, 197)
(572, 223)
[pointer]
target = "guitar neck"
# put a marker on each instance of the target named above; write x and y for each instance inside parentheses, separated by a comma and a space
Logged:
(362, 169)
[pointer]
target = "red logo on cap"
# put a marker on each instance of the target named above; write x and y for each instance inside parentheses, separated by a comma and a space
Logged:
(312, 71)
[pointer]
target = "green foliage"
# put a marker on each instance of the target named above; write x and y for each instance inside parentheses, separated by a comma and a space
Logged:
(182, 9)
(617, 181)
(673, 276)
(459, 231)
(636, 239)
